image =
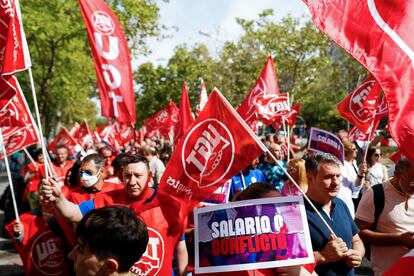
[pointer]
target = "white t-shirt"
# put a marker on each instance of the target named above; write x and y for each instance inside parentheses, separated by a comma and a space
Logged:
(349, 177)
(377, 174)
(395, 218)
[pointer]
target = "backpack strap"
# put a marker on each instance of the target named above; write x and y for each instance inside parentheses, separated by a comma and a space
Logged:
(378, 203)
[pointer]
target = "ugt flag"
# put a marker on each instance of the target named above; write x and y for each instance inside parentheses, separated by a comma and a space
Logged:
(112, 61)
(217, 146)
(361, 106)
(14, 53)
(379, 35)
(18, 129)
(266, 84)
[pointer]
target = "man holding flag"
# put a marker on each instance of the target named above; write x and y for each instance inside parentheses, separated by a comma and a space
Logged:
(191, 176)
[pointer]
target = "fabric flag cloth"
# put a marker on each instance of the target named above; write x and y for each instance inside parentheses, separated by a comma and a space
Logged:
(404, 265)
(126, 134)
(290, 118)
(217, 146)
(202, 97)
(112, 60)
(42, 251)
(13, 48)
(185, 115)
(272, 107)
(266, 84)
(62, 139)
(74, 129)
(165, 121)
(360, 106)
(355, 134)
(379, 35)
(17, 125)
(84, 136)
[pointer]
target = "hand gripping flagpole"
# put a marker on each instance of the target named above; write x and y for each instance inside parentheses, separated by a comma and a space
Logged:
(265, 149)
(3, 148)
(42, 142)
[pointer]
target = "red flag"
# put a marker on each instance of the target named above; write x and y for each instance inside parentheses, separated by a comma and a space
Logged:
(62, 139)
(379, 35)
(202, 98)
(13, 46)
(84, 136)
(14, 53)
(126, 134)
(271, 107)
(266, 84)
(41, 250)
(17, 125)
(112, 61)
(357, 135)
(74, 130)
(359, 107)
(217, 146)
(185, 116)
(396, 156)
(291, 117)
(165, 121)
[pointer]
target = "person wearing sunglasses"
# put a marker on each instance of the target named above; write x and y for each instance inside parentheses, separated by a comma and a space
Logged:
(92, 180)
(377, 172)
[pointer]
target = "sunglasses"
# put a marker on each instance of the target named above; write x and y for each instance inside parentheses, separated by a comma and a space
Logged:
(377, 154)
(86, 172)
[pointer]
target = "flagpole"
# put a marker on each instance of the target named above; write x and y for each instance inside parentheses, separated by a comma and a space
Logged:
(265, 149)
(288, 143)
(366, 146)
(30, 157)
(42, 142)
(302, 192)
(3, 147)
(242, 179)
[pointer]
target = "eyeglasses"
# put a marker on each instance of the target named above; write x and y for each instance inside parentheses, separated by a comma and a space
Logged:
(378, 154)
(86, 172)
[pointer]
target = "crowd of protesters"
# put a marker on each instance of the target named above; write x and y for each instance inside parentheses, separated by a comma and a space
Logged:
(370, 213)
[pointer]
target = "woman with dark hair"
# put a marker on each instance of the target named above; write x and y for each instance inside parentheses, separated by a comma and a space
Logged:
(377, 172)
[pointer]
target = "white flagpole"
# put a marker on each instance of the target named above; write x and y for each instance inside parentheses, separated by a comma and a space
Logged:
(265, 149)
(242, 179)
(30, 158)
(42, 142)
(3, 147)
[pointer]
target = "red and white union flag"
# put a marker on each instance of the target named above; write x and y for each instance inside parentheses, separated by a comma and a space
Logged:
(217, 146)
(379, 35)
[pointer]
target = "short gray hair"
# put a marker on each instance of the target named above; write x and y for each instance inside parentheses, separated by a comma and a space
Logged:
(313, 162)
(96, 158)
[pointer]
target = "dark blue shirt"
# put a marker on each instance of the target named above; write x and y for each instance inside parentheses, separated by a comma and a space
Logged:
(341, 223)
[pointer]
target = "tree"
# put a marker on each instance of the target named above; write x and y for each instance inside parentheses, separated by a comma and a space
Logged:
(62, 66)
(308, 65)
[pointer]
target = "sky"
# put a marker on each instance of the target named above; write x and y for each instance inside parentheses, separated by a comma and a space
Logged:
(186, 18)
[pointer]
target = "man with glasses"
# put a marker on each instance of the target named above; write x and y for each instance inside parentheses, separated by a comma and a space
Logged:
(92, 179)
(392, 234)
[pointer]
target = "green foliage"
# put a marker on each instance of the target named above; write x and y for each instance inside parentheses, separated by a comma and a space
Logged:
(309, 66)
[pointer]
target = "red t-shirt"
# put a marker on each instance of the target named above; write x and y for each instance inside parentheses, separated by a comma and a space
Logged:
(81, 194)
(40, 250)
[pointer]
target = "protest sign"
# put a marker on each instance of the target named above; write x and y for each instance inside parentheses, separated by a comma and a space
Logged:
(252, 234)
(323, 141)
(219, 196)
